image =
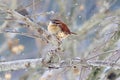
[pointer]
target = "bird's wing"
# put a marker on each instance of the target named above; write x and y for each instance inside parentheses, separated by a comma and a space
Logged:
(64, 28)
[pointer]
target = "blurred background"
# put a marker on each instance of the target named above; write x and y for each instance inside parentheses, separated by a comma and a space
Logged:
(96, 22)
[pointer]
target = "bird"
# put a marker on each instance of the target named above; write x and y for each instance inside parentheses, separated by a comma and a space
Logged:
(59, 29)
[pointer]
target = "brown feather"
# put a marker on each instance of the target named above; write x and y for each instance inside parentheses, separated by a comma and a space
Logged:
(63, 26)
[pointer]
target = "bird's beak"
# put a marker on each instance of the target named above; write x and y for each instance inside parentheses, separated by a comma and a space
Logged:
(50, 23)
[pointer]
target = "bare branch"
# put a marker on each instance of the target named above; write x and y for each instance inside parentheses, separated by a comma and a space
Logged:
(20, 64)
(33, 63)
(104, 64)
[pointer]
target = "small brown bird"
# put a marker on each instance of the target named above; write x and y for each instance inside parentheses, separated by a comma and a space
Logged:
(59, 29)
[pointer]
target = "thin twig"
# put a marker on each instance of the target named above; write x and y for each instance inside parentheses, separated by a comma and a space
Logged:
(102, 54)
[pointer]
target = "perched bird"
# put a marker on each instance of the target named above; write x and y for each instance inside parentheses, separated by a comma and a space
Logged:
(59, 29)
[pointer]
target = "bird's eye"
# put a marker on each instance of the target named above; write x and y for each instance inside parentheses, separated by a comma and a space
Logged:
(54, 22)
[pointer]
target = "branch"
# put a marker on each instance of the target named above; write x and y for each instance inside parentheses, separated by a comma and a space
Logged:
(20, 64)
(33, 63)
(104, 64)
(35, 28)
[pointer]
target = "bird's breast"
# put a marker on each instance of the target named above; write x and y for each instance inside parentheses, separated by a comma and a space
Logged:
(62, 35)
(53, 29)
